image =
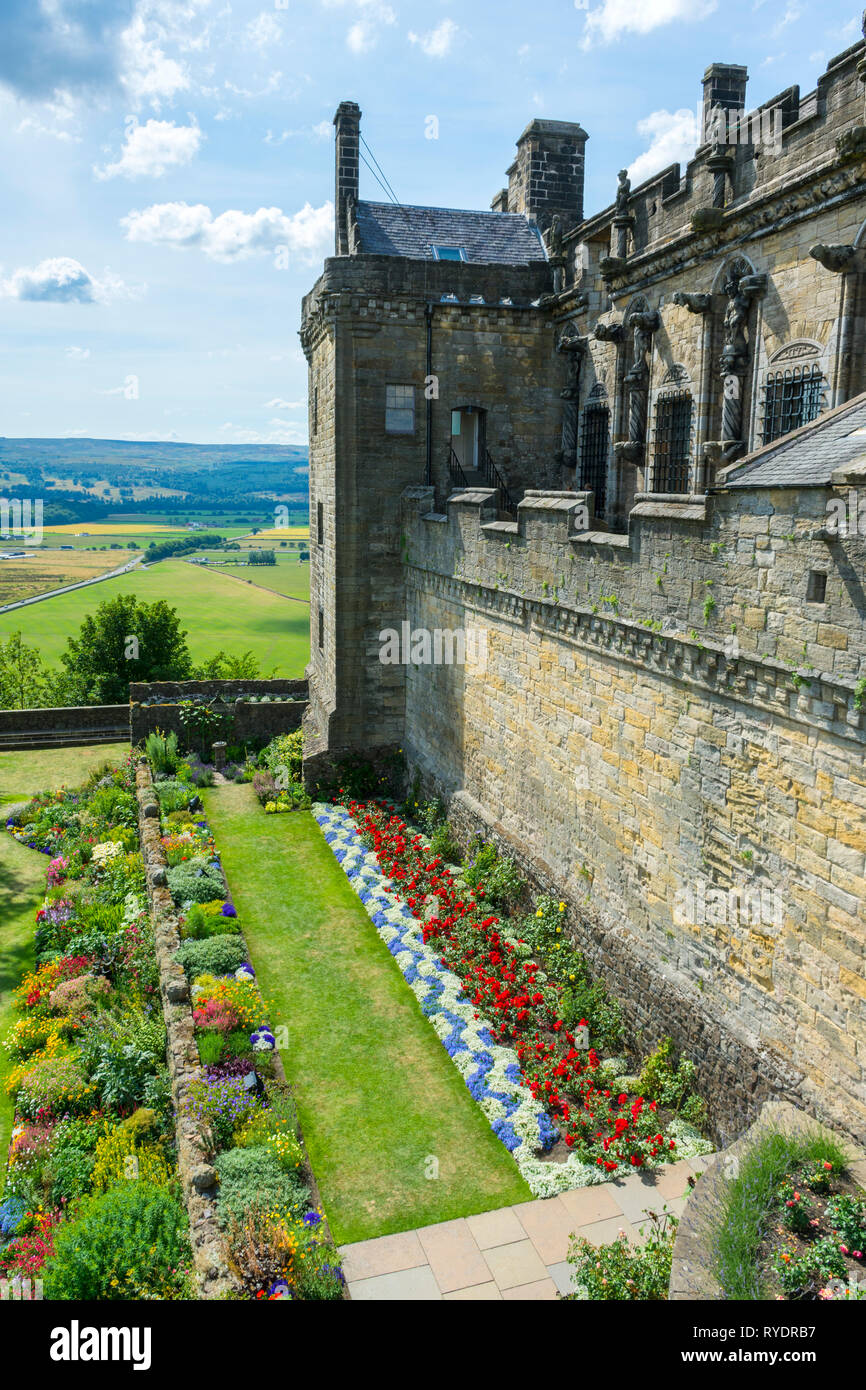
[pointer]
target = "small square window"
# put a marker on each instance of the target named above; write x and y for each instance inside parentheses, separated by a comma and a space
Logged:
(816, 589)
(448, 253)
(400, 409)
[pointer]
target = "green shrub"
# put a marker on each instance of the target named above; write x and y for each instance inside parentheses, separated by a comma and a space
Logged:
(210, 1046)
(131, 1243)
(285, 751)
(173, 795)
(498, 876)
(620, 1271)
(70, 1159)
(195, 882)
(161, 750)
(200, 923)
(443, 843)
(255, 1177)
(215, 955)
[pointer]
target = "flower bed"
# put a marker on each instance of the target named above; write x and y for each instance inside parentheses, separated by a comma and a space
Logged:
(91, 1168)
(541, 1084)
(274, 1233)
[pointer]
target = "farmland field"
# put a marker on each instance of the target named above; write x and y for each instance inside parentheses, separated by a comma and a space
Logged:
(217, 612)
(287, 576)
(41, 570)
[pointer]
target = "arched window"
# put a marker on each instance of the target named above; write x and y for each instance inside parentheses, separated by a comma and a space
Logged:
(594, 451)
(792, 397)
(673, 442)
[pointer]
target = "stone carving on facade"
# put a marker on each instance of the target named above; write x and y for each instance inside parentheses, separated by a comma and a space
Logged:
(740, 288)
(574, 345)
(608, 332)
(695, 303)
(836, 258)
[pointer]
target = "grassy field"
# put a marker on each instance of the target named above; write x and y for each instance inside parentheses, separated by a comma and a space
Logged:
(22, 879)
(217, 614)
(377, 1094)
(287, 576)
(42, 570)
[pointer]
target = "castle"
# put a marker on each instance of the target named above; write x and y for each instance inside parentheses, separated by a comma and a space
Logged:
(629, 448)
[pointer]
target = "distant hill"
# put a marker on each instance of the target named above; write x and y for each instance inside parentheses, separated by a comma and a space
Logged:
(87, 473)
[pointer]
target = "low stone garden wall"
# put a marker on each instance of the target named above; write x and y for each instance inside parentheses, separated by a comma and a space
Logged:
(254, 710)
(692, 1267)
(29, 727)
(197, 1174)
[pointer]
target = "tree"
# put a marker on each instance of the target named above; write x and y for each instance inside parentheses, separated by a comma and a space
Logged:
(124, 641)
(24, 681)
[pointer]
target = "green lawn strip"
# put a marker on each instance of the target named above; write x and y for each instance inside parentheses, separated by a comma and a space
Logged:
(217, 615)
(377, 1094)
(22, 881)
(31, 770)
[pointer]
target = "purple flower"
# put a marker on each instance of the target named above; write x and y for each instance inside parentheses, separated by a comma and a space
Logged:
(228, 910)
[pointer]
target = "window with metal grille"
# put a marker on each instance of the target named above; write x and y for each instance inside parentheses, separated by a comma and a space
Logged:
(400, 409)
(792, 398)
(594, 449)
(670, 471)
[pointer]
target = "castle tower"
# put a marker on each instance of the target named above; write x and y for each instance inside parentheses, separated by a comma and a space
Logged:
(347, 122)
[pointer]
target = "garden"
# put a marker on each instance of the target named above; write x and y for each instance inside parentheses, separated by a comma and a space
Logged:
(323, 943)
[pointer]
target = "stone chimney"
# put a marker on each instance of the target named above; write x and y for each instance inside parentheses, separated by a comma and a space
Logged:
(347, 122)
(725, 88)
(547, 176)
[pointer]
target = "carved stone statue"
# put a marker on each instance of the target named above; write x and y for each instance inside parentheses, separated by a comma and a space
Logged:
(554, 238)
(623, 193)
(739, 289)
(642, 325)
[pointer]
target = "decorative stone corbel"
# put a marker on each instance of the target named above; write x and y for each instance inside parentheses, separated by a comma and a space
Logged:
(608, 332)
(840, 259)
(695, 303)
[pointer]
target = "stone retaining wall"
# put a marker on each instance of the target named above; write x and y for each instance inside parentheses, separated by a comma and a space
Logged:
(65, 719)
(197, 1174)
(692, 1269)
(281, 715)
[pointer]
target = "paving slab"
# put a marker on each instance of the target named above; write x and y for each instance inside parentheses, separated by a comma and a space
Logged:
(540, 1291)
(404, 1285)
(635, 1197)
(587, 1204)
(364, 1259)
(495, 1228)
(604, 1232)
(478, 1293)
(562, 1274)
(453, 1255)
(515, 1264)
(547, 1223)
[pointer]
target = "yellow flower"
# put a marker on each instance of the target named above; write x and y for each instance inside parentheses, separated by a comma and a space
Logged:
(539, 913)
(559, 929)
(562, 907)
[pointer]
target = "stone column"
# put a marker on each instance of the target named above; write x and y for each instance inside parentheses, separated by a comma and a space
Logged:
(848, 263)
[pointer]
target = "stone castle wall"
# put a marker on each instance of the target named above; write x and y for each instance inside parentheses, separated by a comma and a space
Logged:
(627, 767)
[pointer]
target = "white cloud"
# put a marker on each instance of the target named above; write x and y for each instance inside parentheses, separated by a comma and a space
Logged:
(62, 280)
(323, 130)
(613, 18)
(148, 74)
(437, 43)
(673, 137)
(263, 31)
(77, 354)
(234, 235)
(363, 34)
(153, 148)
(791, 15)
(279, 404)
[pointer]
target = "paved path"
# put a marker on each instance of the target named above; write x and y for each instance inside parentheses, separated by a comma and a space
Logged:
(517, 1253)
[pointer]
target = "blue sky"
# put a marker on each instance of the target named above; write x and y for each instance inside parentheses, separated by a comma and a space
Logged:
(168, 169)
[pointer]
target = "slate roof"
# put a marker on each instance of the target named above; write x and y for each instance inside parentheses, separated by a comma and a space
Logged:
(809, 456)
(488, 238)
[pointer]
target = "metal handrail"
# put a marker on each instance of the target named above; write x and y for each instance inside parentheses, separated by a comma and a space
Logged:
(455, 468)
(495, 479)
